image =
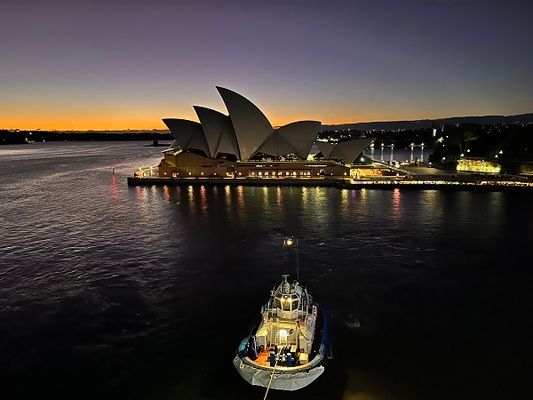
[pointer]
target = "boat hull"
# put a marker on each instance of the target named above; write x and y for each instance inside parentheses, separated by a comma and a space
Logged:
(282, 380)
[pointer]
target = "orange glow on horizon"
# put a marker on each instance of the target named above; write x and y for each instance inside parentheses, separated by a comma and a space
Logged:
(151, 122)
(82, 117)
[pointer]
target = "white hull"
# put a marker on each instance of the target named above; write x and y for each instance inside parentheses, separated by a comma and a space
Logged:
(282, 380)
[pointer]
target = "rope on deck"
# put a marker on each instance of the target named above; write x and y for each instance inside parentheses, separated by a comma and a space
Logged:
(272, 374)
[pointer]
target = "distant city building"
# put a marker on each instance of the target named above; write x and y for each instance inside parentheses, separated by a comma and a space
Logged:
(478, 165)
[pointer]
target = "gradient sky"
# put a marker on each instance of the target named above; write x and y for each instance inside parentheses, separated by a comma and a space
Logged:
(126, 64)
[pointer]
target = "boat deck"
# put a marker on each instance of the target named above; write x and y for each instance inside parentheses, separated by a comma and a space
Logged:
(263, 360)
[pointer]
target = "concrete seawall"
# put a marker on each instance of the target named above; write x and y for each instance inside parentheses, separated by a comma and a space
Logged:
(480, 185)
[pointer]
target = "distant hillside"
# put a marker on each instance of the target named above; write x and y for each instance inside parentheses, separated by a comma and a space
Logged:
(428, 123)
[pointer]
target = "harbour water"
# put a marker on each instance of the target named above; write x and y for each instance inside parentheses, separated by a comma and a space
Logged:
(145, 292)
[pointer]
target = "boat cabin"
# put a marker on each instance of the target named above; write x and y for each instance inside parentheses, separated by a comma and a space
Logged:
(288, 324)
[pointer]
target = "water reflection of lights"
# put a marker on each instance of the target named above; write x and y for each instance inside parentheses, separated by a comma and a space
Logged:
(345, 198)
(203, 197)
(496, 207)
(431, 215)
(227, 195)
(115, 193)
(166, 193)
(362, 199)
(240, 197)
(305, 196)
(140, 192)
(265, 195)
(321, 205)
(396, 202)
(279, 196)
(361, 386)
(190, 195)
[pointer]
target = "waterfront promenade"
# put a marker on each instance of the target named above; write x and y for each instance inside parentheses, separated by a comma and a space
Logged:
(440, 182)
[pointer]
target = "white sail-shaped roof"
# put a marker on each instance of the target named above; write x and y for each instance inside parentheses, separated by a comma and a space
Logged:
(276, 146)
(250, 124)
(187, 134)
(300, 136)
(349, 150)
(218, 131)
(325, 148)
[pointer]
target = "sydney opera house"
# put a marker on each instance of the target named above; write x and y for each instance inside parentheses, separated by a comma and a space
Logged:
(244, 144)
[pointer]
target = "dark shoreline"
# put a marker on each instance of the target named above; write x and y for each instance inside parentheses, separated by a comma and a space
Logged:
(27, 137)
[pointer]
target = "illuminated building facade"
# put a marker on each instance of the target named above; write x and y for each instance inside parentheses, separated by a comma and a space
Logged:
(478, 165)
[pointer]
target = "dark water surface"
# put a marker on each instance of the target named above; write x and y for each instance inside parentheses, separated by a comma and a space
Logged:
(110, 291)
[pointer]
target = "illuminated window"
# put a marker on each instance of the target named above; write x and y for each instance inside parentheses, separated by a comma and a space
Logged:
(286, 304)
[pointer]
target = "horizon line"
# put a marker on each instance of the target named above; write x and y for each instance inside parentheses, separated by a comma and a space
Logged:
(323, 124)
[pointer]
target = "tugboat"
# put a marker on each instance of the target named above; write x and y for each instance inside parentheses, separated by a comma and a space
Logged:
(287, 350)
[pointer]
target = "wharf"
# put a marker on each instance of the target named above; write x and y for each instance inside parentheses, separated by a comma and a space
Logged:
(149, 181)
(437, 183)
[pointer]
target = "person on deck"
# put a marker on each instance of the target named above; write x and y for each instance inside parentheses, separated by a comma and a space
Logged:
(272, 359)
